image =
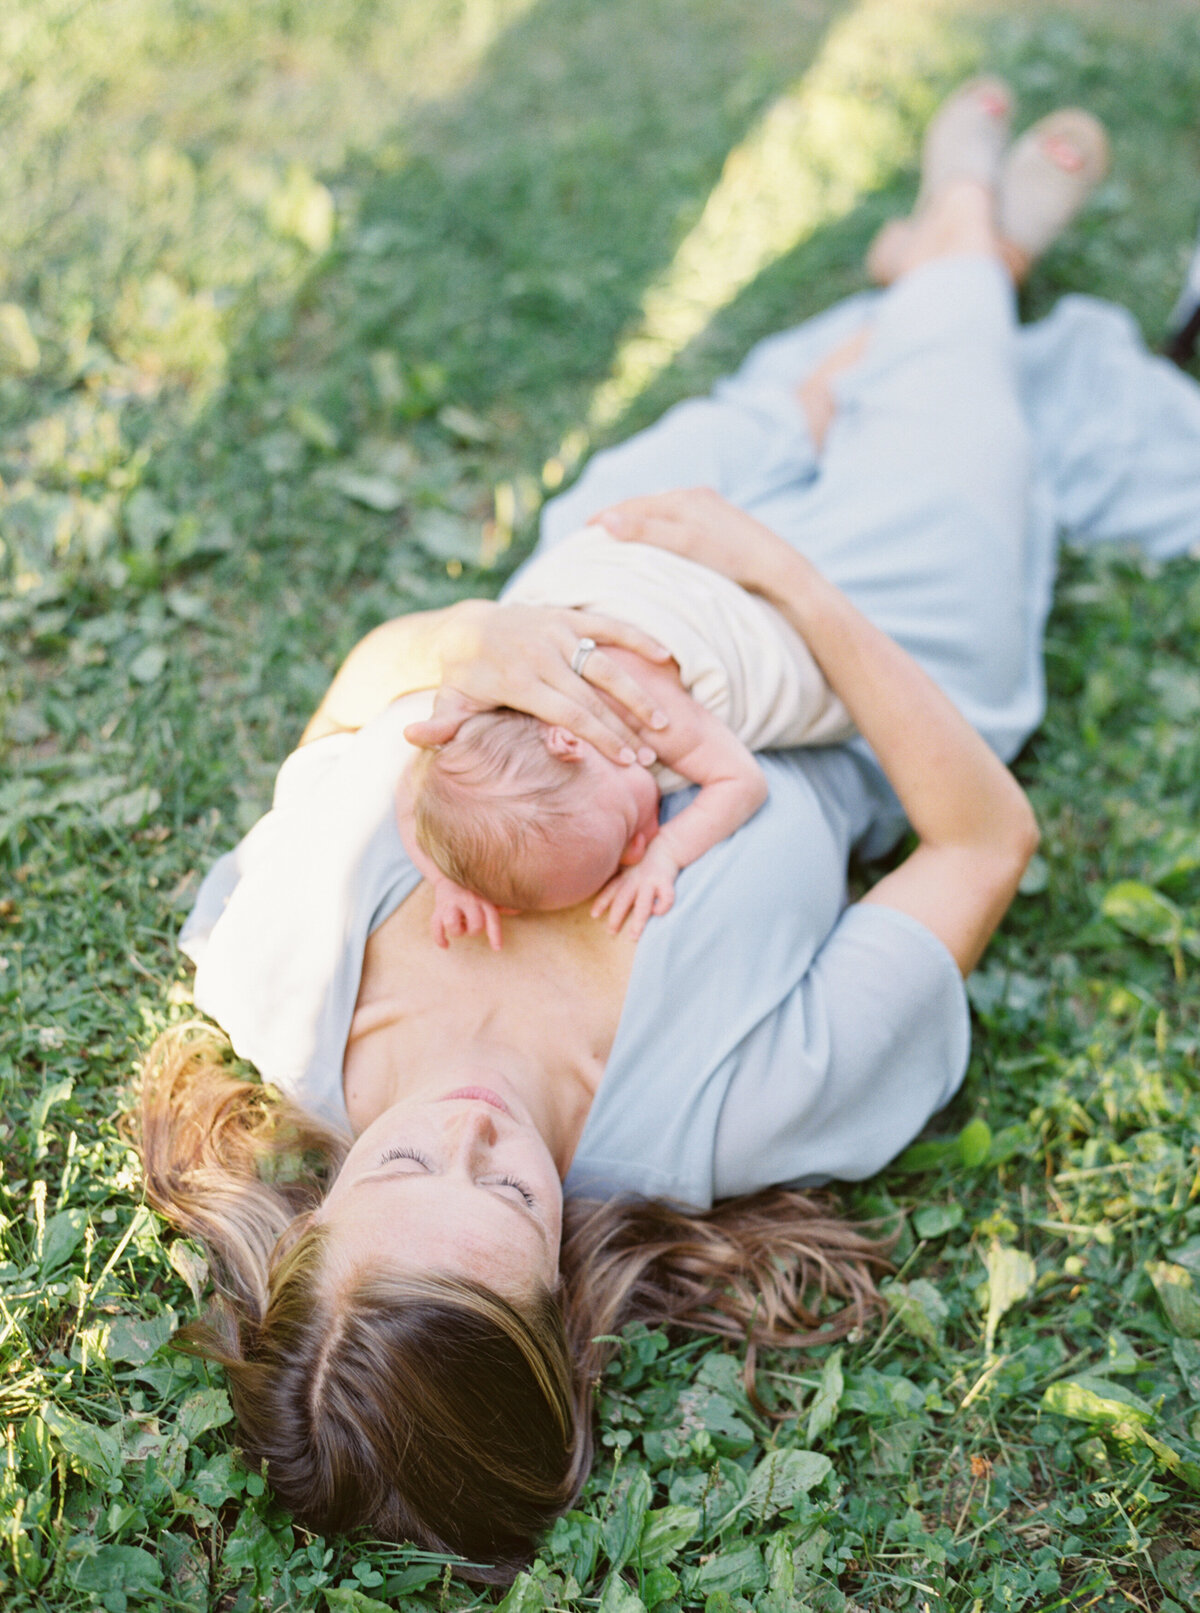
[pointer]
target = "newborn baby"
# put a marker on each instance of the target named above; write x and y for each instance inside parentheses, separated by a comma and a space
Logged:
(514, 815)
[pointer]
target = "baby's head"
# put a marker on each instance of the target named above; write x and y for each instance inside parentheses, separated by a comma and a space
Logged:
(527, 815)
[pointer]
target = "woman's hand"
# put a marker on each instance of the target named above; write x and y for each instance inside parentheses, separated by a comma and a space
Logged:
(520, 656)
(700, 525)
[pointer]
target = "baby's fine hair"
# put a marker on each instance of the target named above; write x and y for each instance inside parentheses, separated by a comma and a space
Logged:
(478, 798)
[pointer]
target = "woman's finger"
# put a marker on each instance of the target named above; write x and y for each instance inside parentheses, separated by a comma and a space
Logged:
(450, 710)
(607, 630)
(602, 672)
(593, 721)
(627, 519)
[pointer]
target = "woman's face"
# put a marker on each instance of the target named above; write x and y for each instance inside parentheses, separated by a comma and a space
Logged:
(453, 1179)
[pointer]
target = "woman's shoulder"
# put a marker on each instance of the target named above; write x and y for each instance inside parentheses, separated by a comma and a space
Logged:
(280, 924)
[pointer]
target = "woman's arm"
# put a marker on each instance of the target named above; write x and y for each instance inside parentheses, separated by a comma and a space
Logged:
(975, 827)
(480, 655)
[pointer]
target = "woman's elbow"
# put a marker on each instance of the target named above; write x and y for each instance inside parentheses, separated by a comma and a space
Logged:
(1016, 838)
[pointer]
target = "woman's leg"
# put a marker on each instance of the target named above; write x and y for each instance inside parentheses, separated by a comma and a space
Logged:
(922, 508)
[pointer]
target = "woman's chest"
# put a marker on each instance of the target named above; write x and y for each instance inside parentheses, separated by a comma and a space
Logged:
(555, 990)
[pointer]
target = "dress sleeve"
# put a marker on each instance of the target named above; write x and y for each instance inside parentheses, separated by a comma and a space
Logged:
(845, 1072)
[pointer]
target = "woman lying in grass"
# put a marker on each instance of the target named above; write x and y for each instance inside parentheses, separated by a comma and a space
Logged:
(487, 1160)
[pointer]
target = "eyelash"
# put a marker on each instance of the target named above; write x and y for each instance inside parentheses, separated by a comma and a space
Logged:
(505, 1181)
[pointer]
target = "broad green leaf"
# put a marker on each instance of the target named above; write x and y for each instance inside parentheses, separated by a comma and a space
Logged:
(1168, 1458)
(63, 1233)
(191, 1265)
(824, 1409)
(133, 807)
(1145, 913)
(1119, 1354)
(97, 1450)
(525, 1595)
(56, 1092)
(1095, 1401)
(623, 1526)
(1176, 1288)
(934, 1220)
(665, 1533)
(919, 1308)
(618, 1597)
(149, 664)
(974, 1143)
(253, 1546)
(381, 493)
(739, 1573)
(1187, 1254)
(469, 427)
(1179, 1573)
(1011, 1274)
(659, 1584)
(202, 1410)
(134, 1339)
(778, 1479)
(574, 1544)
(1186, 1355)
(927, 1155)
(118, 1568)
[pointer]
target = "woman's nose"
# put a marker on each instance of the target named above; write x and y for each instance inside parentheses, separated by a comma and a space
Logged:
(471, 1128)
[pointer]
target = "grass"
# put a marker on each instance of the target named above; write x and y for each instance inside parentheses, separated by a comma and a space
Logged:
(302, 316)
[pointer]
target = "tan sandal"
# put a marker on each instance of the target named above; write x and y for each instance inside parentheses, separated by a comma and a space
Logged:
(1047, 177)
(967, 137)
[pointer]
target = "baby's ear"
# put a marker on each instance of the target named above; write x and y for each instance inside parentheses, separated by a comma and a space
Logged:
(634, 851)
(561, 742)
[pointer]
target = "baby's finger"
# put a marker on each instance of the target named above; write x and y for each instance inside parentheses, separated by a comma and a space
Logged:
(620, 909)
(491, 919)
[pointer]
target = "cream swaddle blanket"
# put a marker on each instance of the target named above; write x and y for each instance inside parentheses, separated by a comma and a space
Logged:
(736, 654)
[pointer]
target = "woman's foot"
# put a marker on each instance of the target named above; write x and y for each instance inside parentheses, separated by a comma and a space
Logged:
(1043, 182)
(1046, 178)
(967, 138)
(965, 141)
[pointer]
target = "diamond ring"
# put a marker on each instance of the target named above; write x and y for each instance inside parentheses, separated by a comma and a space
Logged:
(582, 650)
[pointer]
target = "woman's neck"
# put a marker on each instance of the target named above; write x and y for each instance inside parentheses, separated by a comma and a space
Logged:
(546, 1008)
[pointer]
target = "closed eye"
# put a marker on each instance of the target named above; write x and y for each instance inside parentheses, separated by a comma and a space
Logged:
(504, 1181)
(406, 1153)
(511, 1181)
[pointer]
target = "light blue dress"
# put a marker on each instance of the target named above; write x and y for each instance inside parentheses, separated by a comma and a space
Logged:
(771, 1033)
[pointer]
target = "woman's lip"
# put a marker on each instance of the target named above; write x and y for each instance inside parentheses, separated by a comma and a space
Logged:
(478, 1095)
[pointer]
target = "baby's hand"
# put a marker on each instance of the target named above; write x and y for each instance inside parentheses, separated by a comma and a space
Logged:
(637, 893)
(458, 912)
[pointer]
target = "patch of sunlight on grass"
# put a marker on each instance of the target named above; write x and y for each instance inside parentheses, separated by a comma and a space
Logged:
(306, 80)
(835, 136)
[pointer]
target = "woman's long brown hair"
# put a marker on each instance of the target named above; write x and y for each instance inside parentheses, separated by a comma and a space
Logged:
(428, 1408)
